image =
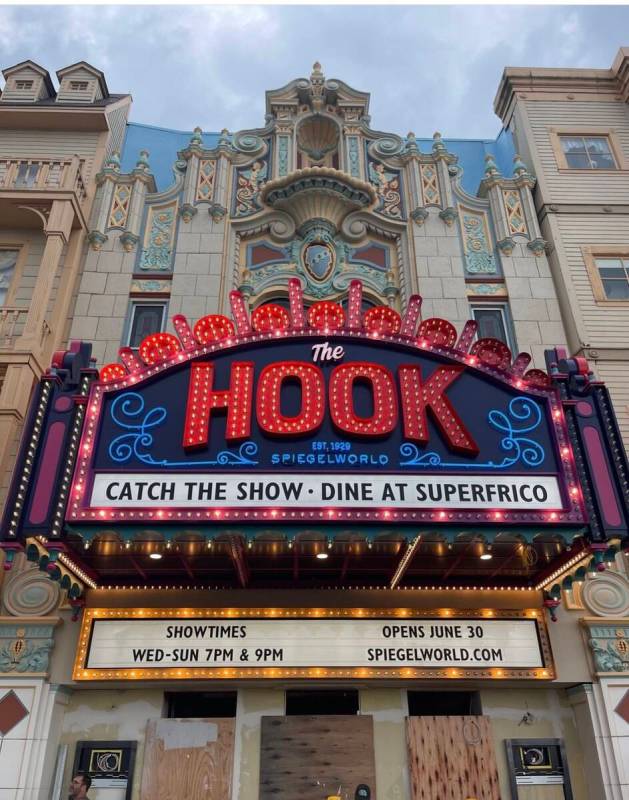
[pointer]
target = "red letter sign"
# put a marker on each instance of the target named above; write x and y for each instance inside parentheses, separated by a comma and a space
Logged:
(203, 399)
(417, 397)
(269, 399)
(382, 386)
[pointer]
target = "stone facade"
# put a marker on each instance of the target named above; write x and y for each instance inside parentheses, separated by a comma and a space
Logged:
(319, 195)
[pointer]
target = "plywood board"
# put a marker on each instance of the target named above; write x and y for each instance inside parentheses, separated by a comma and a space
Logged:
(452, 758)
(188, 759)
(300, 753)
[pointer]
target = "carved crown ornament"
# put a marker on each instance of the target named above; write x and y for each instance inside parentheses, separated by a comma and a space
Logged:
(317, 94)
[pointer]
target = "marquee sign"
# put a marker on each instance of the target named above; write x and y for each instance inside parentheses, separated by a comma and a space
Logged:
(227, 643)
(335, 414)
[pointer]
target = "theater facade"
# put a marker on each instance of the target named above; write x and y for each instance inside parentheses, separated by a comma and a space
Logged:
(316, 503)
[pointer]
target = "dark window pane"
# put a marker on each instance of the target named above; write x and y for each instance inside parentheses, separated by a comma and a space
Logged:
(576, 161)
(146, 320)
(201, 704)
(597, 145)
(490, 323)
(443, 704)
(616, 290)
(326, 701)
(607, 272)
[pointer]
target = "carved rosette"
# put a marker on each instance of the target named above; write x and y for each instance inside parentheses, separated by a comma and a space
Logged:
(30, 593)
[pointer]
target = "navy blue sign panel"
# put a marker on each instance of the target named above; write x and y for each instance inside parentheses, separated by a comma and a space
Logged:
(133, 464)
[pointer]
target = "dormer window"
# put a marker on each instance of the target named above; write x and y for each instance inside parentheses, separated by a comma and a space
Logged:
(78, 86)
(23, 85)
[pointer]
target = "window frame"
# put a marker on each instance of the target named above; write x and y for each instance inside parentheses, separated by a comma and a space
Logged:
(503, 308)
(615, 148)
(79, 85)
(133, 305)
(27, 88)
(590, 254)
(22, 252)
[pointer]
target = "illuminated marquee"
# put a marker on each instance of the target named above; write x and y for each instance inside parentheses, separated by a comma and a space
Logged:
(325, 415)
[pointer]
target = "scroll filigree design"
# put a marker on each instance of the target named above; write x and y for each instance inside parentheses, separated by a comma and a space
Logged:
(387, 185)
(248, 184)
(158, 244)
(523, 416)
(127, 412)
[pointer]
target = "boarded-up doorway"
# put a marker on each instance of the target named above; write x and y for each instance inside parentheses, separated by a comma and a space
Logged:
(298, 751)
(188, 759)
(452, 758)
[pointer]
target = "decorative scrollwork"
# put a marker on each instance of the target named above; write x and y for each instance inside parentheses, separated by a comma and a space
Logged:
(387, 146)
(520, 410)
(248, 143)
(139, 439)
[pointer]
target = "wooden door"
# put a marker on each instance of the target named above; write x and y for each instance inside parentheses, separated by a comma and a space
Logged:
(298, 754)
(452, 758)
(188, 759)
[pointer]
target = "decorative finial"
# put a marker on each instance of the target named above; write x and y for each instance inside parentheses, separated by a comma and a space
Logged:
(411, 143)
(437, 143)
(113, 162)
(316, 68)
(519, 167)
(196, 137)
(143, 161)
(223, 139)
(490, 166)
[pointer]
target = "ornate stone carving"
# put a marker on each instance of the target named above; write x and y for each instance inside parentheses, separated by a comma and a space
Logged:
(318, 192)
(248, 184)
(478, 256)
(606, 594)
(159, 238)
(387, 185)
(120, 206)
(30, 593)
(610, 647)
(25, 647)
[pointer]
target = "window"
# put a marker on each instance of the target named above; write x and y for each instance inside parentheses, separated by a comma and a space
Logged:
(78, 86)
(443, 704)
(614, 277)
(201, 704)
(146, 318)
(587, 152)
(608, 270)
(326, 701)
(23, 85)
(8, 260)
(492, 323)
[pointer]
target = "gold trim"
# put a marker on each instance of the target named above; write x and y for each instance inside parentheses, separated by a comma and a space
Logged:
(81, 673)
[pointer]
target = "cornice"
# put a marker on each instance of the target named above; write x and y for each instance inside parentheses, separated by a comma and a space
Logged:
(551, 83)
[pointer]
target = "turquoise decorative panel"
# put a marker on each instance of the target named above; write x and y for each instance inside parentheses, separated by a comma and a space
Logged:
(479, 259)
(25, 648)
(353, 156)
(282, 156)
(159, 238)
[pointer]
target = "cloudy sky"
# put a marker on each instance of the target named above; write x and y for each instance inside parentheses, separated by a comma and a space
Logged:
(427, 67)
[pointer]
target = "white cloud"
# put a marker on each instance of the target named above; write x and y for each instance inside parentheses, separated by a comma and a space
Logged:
(427, 67)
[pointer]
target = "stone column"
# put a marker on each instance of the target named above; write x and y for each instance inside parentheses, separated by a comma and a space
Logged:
(57, 231)
(606, 597)
(31, 708)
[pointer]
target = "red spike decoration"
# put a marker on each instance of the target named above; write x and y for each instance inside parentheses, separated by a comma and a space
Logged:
(216, 331)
